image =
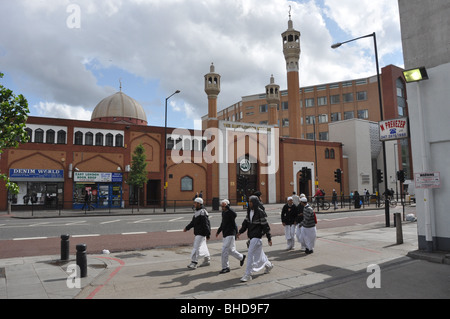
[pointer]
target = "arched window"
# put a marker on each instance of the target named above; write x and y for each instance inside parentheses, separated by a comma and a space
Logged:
(78, 138)
(109, 140)
(30, 134)
(61, 137)
(89, 139)
(332, 153)
(327, 153)
(119, 140)
(187, 183)
(39, 136)
(50, 137)
(99, 139)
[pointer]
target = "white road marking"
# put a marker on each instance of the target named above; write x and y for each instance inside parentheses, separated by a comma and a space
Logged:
(135, 233)
(141, 220)
(30, 238)
(76, 223)
(87, 235)
(173, 230)
(110, 221)
(172, 220)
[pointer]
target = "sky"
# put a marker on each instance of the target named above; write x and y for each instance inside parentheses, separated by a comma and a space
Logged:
(65, 56)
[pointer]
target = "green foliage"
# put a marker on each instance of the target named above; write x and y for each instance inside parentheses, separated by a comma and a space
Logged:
(13, 117)
(138, 172)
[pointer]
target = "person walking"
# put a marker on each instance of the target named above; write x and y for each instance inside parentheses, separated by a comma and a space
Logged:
(256, 225)
(289, 219)
(308, 227)
(202, 231)
(334, 199)
(228, 228)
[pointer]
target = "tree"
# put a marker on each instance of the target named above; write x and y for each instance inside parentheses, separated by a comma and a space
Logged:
(13, 117)
(138, 173)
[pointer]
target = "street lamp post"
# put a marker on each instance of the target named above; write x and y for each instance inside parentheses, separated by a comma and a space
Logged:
(165, 151)
(337, 45)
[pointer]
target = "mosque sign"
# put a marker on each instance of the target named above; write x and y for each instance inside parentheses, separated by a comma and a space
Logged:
(393, 129)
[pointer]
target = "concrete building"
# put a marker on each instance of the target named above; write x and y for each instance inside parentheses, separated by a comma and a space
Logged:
(425, 26)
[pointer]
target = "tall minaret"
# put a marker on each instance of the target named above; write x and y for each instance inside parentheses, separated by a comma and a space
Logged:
(273, 100)
(291, 50)
(212, 89)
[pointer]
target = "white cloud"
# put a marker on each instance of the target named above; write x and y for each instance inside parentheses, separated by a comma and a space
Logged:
(49, 109)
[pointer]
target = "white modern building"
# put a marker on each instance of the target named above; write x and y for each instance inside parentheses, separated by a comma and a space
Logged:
(425, 26)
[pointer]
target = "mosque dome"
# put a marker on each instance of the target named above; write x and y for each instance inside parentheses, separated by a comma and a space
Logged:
(119, 108)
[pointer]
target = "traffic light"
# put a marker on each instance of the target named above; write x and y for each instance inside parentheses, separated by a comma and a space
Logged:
(401, 176)
(338, 176)
(308, 174)
(379, 176)
(305, 175)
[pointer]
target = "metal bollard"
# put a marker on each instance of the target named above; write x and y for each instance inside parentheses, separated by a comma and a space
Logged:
(398, 222)
(82, 260)
(65, 247)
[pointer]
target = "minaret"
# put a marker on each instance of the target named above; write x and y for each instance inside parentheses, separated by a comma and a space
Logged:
(291, 50)
(212, 89)
(273, 100)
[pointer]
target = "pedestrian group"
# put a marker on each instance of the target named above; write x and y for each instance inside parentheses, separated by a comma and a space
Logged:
(298, 219)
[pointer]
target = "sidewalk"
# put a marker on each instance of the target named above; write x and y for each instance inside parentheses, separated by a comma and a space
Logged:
(336, 269)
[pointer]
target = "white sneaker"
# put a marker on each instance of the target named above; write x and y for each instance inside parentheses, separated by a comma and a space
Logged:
(206, 262)
(246, 278)
(192, 265)
(268, 268)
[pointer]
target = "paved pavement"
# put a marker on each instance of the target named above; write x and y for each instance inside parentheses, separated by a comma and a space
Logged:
(338, 268)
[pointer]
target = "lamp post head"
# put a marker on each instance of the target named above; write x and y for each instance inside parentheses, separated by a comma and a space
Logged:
(177, 91)
(336, 45)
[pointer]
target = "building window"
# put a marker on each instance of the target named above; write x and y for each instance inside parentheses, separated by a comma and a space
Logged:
(363, 114)
(263, 108)
(109, 140)
(119, 140)
(50, 137)
(323, 118)
(327, 153)
(170, 143)
(335, 99)
(335, 117)
(39, 136)
(284, 105)
(89, 139)
(309, 102)
(309, 136)
(285, 122)
(187, 184)
(99, 139)
(310, 119)
(349, 115)
(323, 136)
(30, 133)
(322, 100)
(348, 97)
(61, 137)
(332, 153)
(78, 138)
(361, 96)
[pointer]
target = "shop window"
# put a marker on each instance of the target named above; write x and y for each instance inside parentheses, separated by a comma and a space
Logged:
(61, 137)
(119, 140)
(187, 184)
(109, 139)
(50, 137)
(39, 136)
(78, 138)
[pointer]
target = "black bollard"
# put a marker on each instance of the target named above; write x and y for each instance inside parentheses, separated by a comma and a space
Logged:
(65, 247)
(82, 260)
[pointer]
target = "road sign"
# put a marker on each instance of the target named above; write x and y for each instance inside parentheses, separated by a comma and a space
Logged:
(428, 180)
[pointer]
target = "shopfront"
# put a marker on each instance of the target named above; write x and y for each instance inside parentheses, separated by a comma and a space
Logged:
(41, 188)
(103, 190)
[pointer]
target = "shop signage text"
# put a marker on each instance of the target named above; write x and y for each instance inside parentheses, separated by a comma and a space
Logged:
(97, 177)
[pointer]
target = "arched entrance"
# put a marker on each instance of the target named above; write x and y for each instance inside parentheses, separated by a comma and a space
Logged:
(247, 178)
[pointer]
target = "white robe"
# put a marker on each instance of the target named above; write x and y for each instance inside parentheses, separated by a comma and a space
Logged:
(289, 233)
(200, 249)
(308, 237)
(229, 248)
(256, 258)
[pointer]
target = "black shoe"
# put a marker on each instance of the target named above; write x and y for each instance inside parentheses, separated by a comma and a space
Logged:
(307, 251)
(242, 261)
(225, 270)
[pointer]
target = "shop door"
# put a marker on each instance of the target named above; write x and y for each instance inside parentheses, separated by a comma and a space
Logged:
(51, 196)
